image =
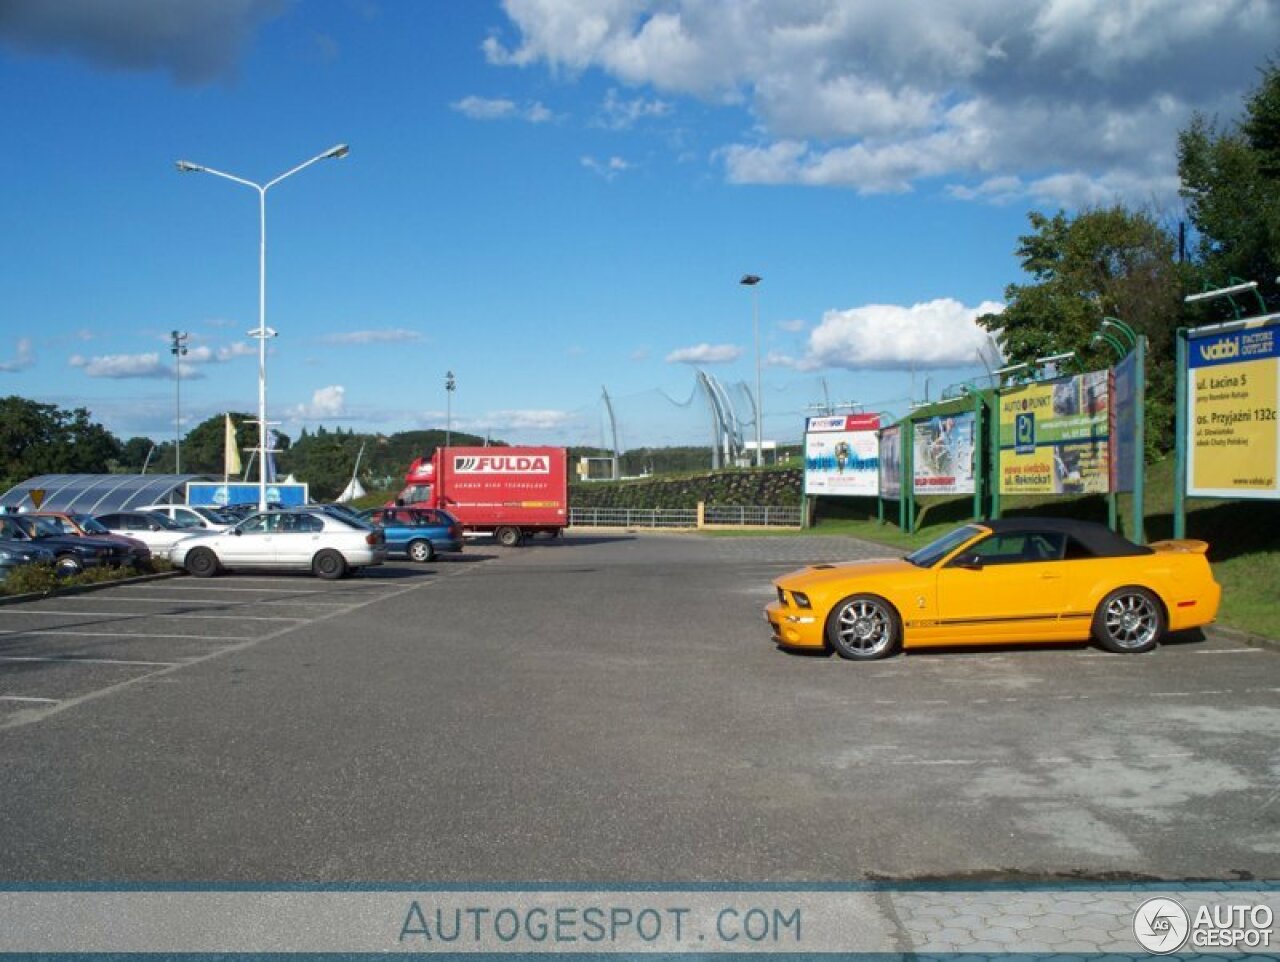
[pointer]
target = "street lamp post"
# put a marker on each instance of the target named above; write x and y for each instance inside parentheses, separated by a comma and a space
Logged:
(751, 280)
(450, 385)
(178, 348)
(263, 332)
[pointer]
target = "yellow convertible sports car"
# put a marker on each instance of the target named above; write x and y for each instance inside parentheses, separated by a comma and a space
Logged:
(991, 582)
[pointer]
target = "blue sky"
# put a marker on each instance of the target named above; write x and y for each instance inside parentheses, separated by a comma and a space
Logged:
(555, 197)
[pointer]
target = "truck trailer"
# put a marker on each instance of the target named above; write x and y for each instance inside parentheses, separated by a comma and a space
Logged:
(510, 493)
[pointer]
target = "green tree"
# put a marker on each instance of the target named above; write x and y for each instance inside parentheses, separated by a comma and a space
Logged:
(1107, 262)
(45, 439)
(1231, 183)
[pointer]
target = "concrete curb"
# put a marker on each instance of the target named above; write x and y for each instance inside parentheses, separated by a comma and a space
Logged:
(1244, 637)
(85, 589)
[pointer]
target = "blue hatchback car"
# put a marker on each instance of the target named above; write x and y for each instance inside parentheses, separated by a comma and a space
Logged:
(418, 534)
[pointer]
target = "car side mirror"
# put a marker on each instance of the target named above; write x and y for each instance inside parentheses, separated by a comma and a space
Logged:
(237, 532)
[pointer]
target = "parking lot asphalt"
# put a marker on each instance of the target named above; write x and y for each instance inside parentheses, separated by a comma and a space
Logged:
(604, 708)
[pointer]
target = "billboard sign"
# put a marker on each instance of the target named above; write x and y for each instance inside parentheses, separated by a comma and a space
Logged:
(1124, 422)
(1054, 436)
(891, 462)
(1232, 401)
(942, 455)
(215, 495)
(842, 455)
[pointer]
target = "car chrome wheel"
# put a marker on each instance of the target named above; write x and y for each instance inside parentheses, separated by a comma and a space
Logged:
(68, 565)
(1129, 620)
(420, 551)
(862, 628)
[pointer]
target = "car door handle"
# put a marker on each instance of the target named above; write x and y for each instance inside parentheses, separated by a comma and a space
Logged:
(1049, 577)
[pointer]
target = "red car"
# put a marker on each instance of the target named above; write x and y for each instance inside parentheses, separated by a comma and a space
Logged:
(137, 554)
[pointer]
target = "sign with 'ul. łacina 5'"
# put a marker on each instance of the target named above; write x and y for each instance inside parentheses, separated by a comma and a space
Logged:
(1232, 400)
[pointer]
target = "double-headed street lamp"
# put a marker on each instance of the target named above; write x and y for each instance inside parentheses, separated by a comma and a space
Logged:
(263, 332)
(751, 280)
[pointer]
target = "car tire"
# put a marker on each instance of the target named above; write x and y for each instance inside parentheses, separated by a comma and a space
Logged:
(201, 563)
(329, 564)
(67, 565)
(421, 550)
(1130, 620)
(863, 628)
(507, 537)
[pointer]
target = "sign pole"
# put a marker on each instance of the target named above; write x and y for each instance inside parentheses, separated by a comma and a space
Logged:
(1180, 432)
(1140, 441)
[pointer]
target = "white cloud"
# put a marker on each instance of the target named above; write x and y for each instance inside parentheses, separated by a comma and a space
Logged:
(519, 420)
(326, 403)
(608, 169)
(793, 326)
(940, 333)
(1080, 100)
(705, 354)
(204, 354)
(618, 113)
(123, 366)
(500, 108)
(392, 335)
(25, 358)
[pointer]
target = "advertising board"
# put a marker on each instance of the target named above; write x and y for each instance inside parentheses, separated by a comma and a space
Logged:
(215, 494)
(1054, 436)
(942, 455)
(1124, 422)
(1232, 401)
(891, 462)
(842, 455)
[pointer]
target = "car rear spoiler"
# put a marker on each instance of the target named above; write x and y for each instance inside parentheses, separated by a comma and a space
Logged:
(1180, 546)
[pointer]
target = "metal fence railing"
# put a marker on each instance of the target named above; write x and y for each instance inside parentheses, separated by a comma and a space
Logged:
(633, 517)
(785, 516)
(686, 518)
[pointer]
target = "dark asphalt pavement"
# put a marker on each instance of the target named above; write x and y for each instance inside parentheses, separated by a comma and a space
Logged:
(603, 709)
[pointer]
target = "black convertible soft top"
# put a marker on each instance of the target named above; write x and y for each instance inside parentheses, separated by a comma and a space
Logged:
(1100, 540)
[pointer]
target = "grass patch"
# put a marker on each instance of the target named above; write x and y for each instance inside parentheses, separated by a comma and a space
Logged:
(42, 579)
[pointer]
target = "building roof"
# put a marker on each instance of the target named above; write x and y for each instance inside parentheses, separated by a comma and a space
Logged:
(99, 493)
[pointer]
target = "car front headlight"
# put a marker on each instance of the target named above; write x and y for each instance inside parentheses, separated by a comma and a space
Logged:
(801, 599)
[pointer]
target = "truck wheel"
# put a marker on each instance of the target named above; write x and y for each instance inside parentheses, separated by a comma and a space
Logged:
(508, 537)
(421, 550)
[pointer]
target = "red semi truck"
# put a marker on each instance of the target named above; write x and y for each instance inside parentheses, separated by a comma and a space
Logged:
(511, 493)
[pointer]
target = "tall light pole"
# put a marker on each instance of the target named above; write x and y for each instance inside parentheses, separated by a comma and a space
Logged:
(751, 280)
(178, 348)
(263, 332)
(450, 385)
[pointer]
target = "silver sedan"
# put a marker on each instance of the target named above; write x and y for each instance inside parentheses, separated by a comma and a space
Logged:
(297, 540)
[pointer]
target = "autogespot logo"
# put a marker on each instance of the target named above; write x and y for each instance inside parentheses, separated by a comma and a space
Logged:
(1160, 925)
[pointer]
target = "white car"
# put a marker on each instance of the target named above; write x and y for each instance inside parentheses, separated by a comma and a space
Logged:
(196, 517)
(155, 530)
(298, 540)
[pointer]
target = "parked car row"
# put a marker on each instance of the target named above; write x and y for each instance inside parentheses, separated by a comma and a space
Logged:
(330, 540)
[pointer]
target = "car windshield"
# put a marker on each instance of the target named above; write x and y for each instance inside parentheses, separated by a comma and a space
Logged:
(90, 525)
(935, 551)
(209, 514)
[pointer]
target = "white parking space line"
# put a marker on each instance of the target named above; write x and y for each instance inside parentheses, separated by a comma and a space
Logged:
(117, 634)
(130, 599)
(1230, 651)
(31, 700)
(236, 644)
(220, 587)
(76, 660)
(125, 616)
